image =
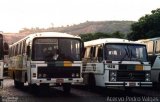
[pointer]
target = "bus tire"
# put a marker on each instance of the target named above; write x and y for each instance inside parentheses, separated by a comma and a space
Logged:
(91, 82)
(15, 82)
(13, 76)
(18, 84)
(66, 88)
(128, 89)
(26, 77)
(158, 83)
(159, 78)
(33, 88)
(44, 86)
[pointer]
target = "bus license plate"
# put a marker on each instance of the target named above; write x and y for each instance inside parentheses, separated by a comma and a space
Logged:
(59, 80)
(132, 84)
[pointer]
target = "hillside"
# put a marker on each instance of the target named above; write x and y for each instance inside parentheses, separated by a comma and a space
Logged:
(82, 28)
(101, 26)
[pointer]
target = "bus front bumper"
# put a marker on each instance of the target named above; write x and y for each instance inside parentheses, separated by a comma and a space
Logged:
(129, 84)
(58, 81)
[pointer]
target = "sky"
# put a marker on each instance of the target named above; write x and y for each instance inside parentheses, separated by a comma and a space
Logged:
(18, 14)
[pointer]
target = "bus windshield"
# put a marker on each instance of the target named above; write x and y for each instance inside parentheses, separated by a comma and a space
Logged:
(126, 52)
(61, 49)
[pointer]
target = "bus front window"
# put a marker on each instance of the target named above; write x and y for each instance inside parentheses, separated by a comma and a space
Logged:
(125, 52)
(49, 49)
(70, 49)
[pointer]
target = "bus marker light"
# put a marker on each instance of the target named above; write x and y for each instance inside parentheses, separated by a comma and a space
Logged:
(139, 67)
(73, 75)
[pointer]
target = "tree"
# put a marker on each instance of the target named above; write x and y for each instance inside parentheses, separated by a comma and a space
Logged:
(117, 34)
(147, 26)
(92, 36)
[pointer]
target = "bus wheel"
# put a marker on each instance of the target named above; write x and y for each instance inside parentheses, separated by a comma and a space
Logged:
(91, 82)
(158, 83)
(44, 87)
(128, 89)
(159, 79)
(18, 84)
(66, 88)
(33, 88)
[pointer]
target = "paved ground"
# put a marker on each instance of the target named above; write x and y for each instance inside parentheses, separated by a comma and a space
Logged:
(78, 94)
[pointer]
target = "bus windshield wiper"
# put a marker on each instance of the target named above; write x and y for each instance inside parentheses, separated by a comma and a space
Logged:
(126, 54)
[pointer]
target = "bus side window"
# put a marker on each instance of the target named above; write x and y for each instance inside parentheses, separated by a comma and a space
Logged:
(100, 54)
(83, 54)
(92, 52)
(28, 50)
(158, 46)
(87, 52)
(6, 48)
(16, 50)
(150, 47)
(24, 47)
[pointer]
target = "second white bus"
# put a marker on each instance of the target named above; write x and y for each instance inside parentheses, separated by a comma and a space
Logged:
(112, 62)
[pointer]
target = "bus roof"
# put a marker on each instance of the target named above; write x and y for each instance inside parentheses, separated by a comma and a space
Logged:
(150, 39)
(53, 34)
(108, 40)
(47, 34)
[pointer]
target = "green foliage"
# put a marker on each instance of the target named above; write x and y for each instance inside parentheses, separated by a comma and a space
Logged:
(92, 36)
(147, 26)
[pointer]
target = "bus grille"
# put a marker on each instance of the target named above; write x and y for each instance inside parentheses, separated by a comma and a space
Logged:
(131, 76)
(58, 72)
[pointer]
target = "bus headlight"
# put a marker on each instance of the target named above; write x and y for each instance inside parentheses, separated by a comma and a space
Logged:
(73, 75)
(147, 79)
(77, 74)
(147, 75)
(113, 79)
(113, 75)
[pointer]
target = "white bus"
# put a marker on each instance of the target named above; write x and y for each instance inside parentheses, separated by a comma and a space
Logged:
(153, 49)
(112, 62)
(48, 58)
(3, 51)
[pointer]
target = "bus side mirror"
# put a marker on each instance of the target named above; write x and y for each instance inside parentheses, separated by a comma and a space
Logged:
(5, 48)
(100, 54)
(83, 49)
(28, 50)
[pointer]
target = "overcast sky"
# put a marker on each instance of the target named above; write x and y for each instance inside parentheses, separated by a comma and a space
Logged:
(17, 14)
